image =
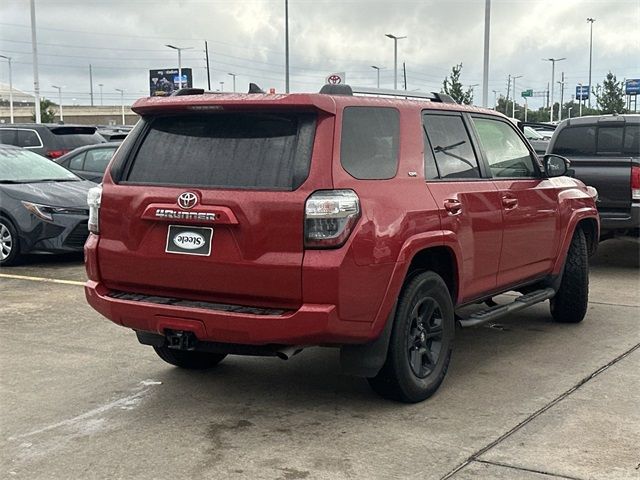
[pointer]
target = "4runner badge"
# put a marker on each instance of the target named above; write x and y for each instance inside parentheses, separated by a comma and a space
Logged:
(187, 200)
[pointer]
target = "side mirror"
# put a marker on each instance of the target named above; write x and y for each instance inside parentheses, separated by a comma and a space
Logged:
(555, 165)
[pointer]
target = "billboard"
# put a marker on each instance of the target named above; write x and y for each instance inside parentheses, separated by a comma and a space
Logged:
(165, 81)
(632, 86)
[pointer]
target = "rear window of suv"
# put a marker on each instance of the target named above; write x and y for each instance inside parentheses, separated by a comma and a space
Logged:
(69, 138)
(226, 150)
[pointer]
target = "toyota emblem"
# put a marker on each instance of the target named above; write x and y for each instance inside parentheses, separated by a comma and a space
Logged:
(187, 200)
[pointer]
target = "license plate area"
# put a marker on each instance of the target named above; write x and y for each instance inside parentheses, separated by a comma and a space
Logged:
(186, 240)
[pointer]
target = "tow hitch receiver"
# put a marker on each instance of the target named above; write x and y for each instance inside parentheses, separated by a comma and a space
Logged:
(180, 340)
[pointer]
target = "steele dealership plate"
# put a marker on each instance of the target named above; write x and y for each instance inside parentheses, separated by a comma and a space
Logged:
(189, 240)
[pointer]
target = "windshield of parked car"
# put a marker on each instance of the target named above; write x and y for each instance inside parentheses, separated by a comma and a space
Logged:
(531, 134)
(23, 166)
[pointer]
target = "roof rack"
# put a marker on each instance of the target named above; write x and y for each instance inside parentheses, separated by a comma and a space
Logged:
(348, 90)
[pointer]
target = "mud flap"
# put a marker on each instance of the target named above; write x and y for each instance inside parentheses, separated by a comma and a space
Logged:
(366, 360)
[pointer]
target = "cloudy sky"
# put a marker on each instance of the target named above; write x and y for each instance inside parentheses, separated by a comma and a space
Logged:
(123, 39)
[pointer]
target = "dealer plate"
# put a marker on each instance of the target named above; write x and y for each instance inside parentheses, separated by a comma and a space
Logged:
(187, 240)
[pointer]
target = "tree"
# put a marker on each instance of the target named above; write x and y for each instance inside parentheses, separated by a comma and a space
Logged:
(610, 96)
(47, 113)
(453, 87)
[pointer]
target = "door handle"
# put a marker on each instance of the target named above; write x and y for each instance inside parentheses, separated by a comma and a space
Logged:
(453, 206)
(509, 203)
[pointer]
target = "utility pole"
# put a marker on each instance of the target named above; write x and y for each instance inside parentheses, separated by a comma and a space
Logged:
(513, 111)
(561, 97)
(495, 99)
(286, 46)
(101, 85)
(206, 53)
(553, 72)
(485, 68)
(590, 20)
(34, 49)
(404, 69)
(91, 83)
(395, 57)
(580, 99)
(10, 88)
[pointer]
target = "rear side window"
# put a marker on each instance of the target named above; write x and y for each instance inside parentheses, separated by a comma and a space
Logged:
(77, 162)
(28, 138)
(451, 146)
(369, 146)
(576, 141)
(226, 150)
(631, 140)
(98, 159)
(610, 139)
(8, 136)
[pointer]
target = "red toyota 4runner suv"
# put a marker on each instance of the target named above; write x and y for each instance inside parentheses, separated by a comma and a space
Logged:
(260, 224)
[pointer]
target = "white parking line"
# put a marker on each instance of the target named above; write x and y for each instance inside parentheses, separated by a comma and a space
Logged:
(41, 279)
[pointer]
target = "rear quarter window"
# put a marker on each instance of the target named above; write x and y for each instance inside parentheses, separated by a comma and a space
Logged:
(631, 140)
(370, 140)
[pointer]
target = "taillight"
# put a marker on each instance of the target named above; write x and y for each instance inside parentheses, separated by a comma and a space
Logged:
(635, 183)
(94, 197)
(56, 153)
(329, 218)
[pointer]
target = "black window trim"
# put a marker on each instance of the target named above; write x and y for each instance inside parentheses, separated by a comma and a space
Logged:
(484, 175)
(534, 156)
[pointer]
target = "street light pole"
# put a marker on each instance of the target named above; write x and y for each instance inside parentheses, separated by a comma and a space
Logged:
(121, 90)
(395, 58)
(590, 20)
(580, 99)
(377, 69)
(553, 74)
(59, 101)
(485, 68)
(101, 85)
(234, 81)
(286, 46)
(34, 49)
(222, 86)
(513, 109)
(561, 83)
(179, 49)
(10, 88)
(495, 99)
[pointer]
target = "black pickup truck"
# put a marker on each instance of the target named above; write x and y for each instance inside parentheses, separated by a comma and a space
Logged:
(605, 154)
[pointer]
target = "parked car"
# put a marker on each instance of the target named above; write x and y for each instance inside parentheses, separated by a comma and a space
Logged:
(544, 129)
(49, 140)
(605, 152)
(43, 206)
(538, 141)
(114, 133)
(89, 162)
(261, 224)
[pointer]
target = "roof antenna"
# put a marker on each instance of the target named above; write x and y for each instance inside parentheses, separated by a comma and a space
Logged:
(253, 88)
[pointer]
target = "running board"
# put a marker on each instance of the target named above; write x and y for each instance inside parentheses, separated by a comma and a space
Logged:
(493, 313)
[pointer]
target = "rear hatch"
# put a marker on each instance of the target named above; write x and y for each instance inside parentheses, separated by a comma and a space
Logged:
(235, 180)
(70, 137)
(602, 155)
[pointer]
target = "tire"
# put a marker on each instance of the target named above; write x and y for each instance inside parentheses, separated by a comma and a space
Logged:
(421, 341)
(189, 360)
(569, 305)
(9, 244)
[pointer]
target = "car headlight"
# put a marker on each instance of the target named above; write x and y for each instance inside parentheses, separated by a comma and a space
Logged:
(46, 212)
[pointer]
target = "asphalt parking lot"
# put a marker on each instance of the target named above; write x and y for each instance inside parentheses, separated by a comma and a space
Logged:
(525, 399)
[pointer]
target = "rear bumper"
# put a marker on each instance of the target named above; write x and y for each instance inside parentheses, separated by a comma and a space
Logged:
(611, 222)
(311, 324)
